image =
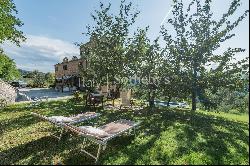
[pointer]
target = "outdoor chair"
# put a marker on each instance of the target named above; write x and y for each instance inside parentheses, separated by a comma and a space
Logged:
(60, 120)
(93, 99)
(125, 99)
(103, 134)
(127, 102)
(104, 91)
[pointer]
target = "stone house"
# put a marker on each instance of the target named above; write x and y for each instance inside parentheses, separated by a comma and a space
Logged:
(67, 74)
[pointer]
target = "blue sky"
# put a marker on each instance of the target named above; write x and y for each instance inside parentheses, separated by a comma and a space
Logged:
(53, 26)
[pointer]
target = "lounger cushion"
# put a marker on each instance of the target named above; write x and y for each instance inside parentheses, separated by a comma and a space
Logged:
(62, 119)
(94, 131)
(118, 126)
(84, 115)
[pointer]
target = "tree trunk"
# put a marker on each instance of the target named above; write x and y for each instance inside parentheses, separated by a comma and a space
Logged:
(151, 98)
(193, 100)
(169, 99)
(194, 89)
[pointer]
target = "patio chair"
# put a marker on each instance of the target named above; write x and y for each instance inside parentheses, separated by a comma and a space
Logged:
(104, 91)
(125, 99)
(94, 99)
(60, 120)
(103, 134)
(127, 102)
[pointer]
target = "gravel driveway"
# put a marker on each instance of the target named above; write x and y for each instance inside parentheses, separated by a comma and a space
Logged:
(51, 94)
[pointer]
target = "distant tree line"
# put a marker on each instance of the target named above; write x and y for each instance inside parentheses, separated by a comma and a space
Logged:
(38, 79)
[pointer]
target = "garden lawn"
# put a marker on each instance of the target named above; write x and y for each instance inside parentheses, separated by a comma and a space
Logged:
(164, 137)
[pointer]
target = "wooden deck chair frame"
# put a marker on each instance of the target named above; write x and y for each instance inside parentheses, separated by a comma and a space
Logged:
(102, 143)
(61, 124)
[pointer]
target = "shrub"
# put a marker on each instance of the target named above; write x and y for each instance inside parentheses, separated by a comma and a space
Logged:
(3, 103)
(226, 100)
(77, 97)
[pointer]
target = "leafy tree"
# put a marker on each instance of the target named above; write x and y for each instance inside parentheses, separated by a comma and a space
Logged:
(37, 79)
(49, 78)
(106, 49)
(143, 60)
(225, 100)
(174, 75)
(8, 70)
(9, 23)
(40, 79)
(196, 37)
(231, 96)
(9, 32)
(172, 80)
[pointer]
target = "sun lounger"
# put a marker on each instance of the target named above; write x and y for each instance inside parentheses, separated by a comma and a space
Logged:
(59, 120)
(103, 134)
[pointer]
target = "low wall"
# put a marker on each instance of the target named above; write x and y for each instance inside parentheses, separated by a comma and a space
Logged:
(7, 92)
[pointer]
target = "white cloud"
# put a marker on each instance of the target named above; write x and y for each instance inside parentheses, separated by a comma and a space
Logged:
(40, 52)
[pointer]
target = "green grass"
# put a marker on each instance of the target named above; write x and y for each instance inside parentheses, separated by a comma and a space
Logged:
(164, 137)
(229, 116)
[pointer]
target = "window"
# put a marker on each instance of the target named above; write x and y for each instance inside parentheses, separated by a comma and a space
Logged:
(74, 58)
(65, 67)
(56, 68)
(65, 60)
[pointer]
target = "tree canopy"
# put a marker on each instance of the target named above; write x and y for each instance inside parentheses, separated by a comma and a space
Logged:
(9, 23)
(183, 66)
(196, 38)
(106, 50)
(8, 70)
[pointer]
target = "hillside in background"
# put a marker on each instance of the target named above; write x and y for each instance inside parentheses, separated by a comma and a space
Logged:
(24, 72)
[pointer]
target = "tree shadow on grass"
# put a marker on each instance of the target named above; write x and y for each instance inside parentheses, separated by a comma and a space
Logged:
(197, 133)
(149, 129)
(23, 118)
(46, 150)
(60, 108)
(30, 149)
(215, 145)
(17, 123)
(77, 157)
(216, 142)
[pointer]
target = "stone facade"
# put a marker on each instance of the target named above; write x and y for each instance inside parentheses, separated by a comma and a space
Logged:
(67, 74)
(69, 68)
(7, 92)
(84, 48)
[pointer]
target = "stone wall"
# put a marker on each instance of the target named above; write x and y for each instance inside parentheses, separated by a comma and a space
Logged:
(72, 68)
(7, 92)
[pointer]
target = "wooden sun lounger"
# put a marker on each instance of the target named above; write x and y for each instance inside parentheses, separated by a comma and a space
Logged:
(74, 119)
(114, 129)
